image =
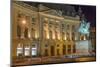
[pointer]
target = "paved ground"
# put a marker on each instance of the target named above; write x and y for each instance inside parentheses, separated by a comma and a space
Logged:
(47, 60)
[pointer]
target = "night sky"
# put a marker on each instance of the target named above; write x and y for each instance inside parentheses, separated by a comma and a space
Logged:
(88, 10)
(90, 14)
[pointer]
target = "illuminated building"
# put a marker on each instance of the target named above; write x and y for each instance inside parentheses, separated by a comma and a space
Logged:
(93, 38)
(43, 33)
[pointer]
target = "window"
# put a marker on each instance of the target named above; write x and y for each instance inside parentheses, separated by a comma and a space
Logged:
(33, 45)
(73, 36)
(73, 27)
(46, 52)
(33, 33)
(19, 15)
(74, 48)
(26, 50)
(64, 49)
(18, 31)
(19, 49)
(67, 27)
(58, 52)
(68, 37)
(69, 49)
(26, 33)
(62, 26)
(50, 34)
(33, 50)
(33, 20)
(52, 50)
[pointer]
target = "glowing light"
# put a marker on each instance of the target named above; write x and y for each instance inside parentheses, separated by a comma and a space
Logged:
(23, 21)
(53, 36)
(65, 38)
(47, 35)
(36, 35)
(84, 38)
(58, 36)
(19, 49)
(27, 50)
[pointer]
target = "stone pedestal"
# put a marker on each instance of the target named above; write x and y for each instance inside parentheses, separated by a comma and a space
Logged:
(83, 47)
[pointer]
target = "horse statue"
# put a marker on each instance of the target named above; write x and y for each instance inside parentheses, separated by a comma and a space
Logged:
(84, 28)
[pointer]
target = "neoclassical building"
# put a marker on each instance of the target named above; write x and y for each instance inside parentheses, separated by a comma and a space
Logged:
(93, 38)
(42, 31)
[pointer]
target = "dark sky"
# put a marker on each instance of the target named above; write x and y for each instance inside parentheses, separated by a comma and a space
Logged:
(90, 14)
(88, 10)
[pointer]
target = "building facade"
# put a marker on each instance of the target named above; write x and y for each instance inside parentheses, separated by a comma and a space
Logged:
(93, 38)
(36, 32)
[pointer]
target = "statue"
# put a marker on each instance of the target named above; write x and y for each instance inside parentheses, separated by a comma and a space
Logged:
(84, 28)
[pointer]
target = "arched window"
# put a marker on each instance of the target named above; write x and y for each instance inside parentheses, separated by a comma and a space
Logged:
(18, 31)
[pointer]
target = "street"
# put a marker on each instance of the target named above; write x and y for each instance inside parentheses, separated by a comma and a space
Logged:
(48, 60)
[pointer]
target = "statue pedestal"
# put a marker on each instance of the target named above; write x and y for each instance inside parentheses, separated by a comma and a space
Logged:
(83, 47)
